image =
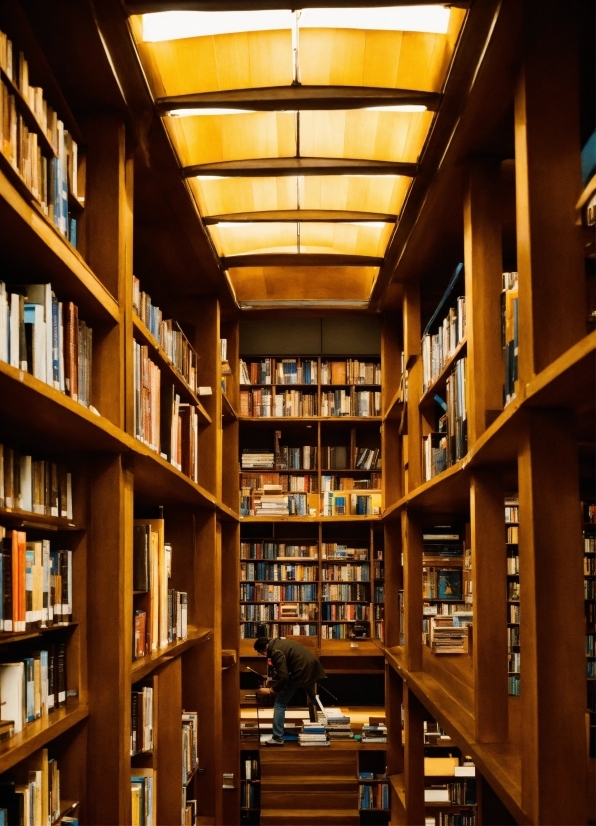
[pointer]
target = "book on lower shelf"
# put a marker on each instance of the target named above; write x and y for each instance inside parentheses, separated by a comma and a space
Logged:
(31, 794)
(141, 720)
(34, 485)
(34, 687)
(143, 789)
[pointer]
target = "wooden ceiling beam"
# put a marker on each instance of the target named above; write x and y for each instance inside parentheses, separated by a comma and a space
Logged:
(292, 216)
(298, 98)
(148, 6)
(278, 167)
(299, 259)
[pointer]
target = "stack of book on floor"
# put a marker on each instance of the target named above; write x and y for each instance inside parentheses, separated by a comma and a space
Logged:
(313, 734)
(374, 733)
(338, 725)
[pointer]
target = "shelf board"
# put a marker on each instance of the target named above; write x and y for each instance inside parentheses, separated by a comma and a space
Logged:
(33, 241)
(159, 354)
(66, 808)
(313, 519)
(16, 518)
(439, 383)
(18, 636)
(37, 734)
(587, 193)
(398, 784)
(306, 419)
(227, 409)
(141, 668)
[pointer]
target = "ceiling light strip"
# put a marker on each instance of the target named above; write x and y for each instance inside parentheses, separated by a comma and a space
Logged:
(284, 167)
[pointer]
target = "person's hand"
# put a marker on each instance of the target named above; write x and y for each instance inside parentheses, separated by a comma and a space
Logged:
(264, 692)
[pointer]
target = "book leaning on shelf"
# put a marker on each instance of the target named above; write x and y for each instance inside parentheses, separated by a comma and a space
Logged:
(444, 448)
(437, 349)
(44, 337)
(35, 142)
(32, 793)
(34, 485)
(33, 688)
(36, 583)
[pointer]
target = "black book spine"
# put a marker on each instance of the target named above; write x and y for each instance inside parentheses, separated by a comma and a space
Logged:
(141, 558)
(134, 735)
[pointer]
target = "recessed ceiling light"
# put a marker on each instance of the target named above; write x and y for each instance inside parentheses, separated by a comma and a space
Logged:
(430, 18)
(397, 107)
(187, 113)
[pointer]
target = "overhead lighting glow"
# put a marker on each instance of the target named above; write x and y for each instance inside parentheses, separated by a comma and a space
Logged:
(230, 224)
(398, 107)
(434, 19)
(211, 177)
(188, 113)
(375, 224)
(173, 25)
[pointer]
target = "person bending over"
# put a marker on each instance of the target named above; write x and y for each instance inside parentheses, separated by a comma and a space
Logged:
(296, 668)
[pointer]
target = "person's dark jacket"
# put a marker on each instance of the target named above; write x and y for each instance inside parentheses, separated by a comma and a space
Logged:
(294, 664)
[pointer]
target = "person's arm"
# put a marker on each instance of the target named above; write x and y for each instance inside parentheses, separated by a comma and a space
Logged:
(281, 667)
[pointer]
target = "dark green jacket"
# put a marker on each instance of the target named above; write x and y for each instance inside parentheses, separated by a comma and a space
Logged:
(294, 664)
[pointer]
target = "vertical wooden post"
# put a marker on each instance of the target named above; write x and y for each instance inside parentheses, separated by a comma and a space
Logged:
(206, 319)
(489, 578)
(393, 580)
(391, 447)
(411, 316)
(483, 272)
(553, 677)
(231, 676)
(394, 698)
(548, 184)
(209, 614)
(168, 713)
(412, 547)
(110, 641)
(106, 242)
(414, 758)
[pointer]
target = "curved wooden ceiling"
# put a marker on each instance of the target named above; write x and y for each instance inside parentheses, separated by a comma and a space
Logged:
(347, 169)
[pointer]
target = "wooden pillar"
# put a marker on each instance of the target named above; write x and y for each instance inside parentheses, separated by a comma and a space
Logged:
(483, 273)
(393, 580)
(207, 332)
(548, 184)
(168, 737)
(489, 578)
(553, 678)
(209, 614)
(394, 697)
(413, 362)
(109, 595)
(412, 548)
(106, 244)
(391, 442)
(230, 580)
(414, 758)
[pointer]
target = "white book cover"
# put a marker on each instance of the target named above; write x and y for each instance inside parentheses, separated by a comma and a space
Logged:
(3, 322)
(14, 330)
(26, 498)
(436, 795)
(12, 691)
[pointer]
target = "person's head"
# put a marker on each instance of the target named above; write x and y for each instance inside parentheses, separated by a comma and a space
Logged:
(261, 646)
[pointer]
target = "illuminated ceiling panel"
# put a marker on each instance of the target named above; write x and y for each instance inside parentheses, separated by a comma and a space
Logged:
(254, 61)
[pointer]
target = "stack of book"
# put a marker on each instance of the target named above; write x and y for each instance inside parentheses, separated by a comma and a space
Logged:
(313, 734)
(446, 637)
(374, 733)
(271, 502)
(338, 725)
(255, 458)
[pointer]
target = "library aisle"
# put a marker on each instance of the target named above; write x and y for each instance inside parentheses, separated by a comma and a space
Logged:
(297, 339)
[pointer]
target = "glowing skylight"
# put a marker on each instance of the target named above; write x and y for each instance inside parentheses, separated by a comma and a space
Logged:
(173, 25)
(191, 113)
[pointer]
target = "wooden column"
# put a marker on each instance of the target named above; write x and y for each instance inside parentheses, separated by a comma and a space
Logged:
(106, 244)
(230, 465)
(412, 548)
(489, 577)
(548, 184)
(483, 273)
(209, 614)
(411, 328)
(393, 580)
(109, 595)
(553, 676)
(391, 443)
(206, 320)
(230, 635)
(414, 757)
(394, 697)
(168, 738)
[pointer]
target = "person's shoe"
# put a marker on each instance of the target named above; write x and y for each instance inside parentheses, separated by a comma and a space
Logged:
(274, 742)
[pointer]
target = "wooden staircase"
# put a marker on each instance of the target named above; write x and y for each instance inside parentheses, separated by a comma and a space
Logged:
(302, 785)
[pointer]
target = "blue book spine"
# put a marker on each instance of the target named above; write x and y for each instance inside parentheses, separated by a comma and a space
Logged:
(55, 342)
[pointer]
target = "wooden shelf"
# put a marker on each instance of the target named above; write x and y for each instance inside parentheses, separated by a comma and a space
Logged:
(227, 410)
(141, 668)
(308, 419)
(37, 734)
(309, 518)
(31, 239)
(7, 637)
(67, 807)
(587, 193)
(398, 784)
(440, 381)
(159, 355)
(16, 518)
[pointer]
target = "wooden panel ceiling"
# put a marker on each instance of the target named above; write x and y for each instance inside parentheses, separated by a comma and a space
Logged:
(303, 283)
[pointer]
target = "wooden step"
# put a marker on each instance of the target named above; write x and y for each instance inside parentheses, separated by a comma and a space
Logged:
(305, 762)
(309, 783)
(303, 799)
(315, 817)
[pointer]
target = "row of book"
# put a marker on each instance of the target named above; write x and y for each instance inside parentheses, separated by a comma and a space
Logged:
(346, 572)
(379, 593)
(512, 561)
(335, 457)
(255, 458)
(356, 403)
(36, 583)
(338, 550)
(34, 796)
(35, 142)
(249, 796)
(439, 347)
(332, 483)
(350, 371)
(177, 623)
(32, 688)
(162, 422)
(190, 744)
(264, 403)
(374, 796)
(168, 335)
(289, 483)
(338, 631)
(448, 635)
(279, 371)
(142, 788)
(34, 485)
(273, 502)
(356, 504)
(339, 592)
(277, 550)
(294, 458)
(141, 720)
(45, 337)
(349, 612)
(277, 593)
(275, 611)
(513, 662)
(251, 630)
(274, 572)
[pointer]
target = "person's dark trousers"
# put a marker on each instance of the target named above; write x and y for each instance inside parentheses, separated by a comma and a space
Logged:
(281, 703)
